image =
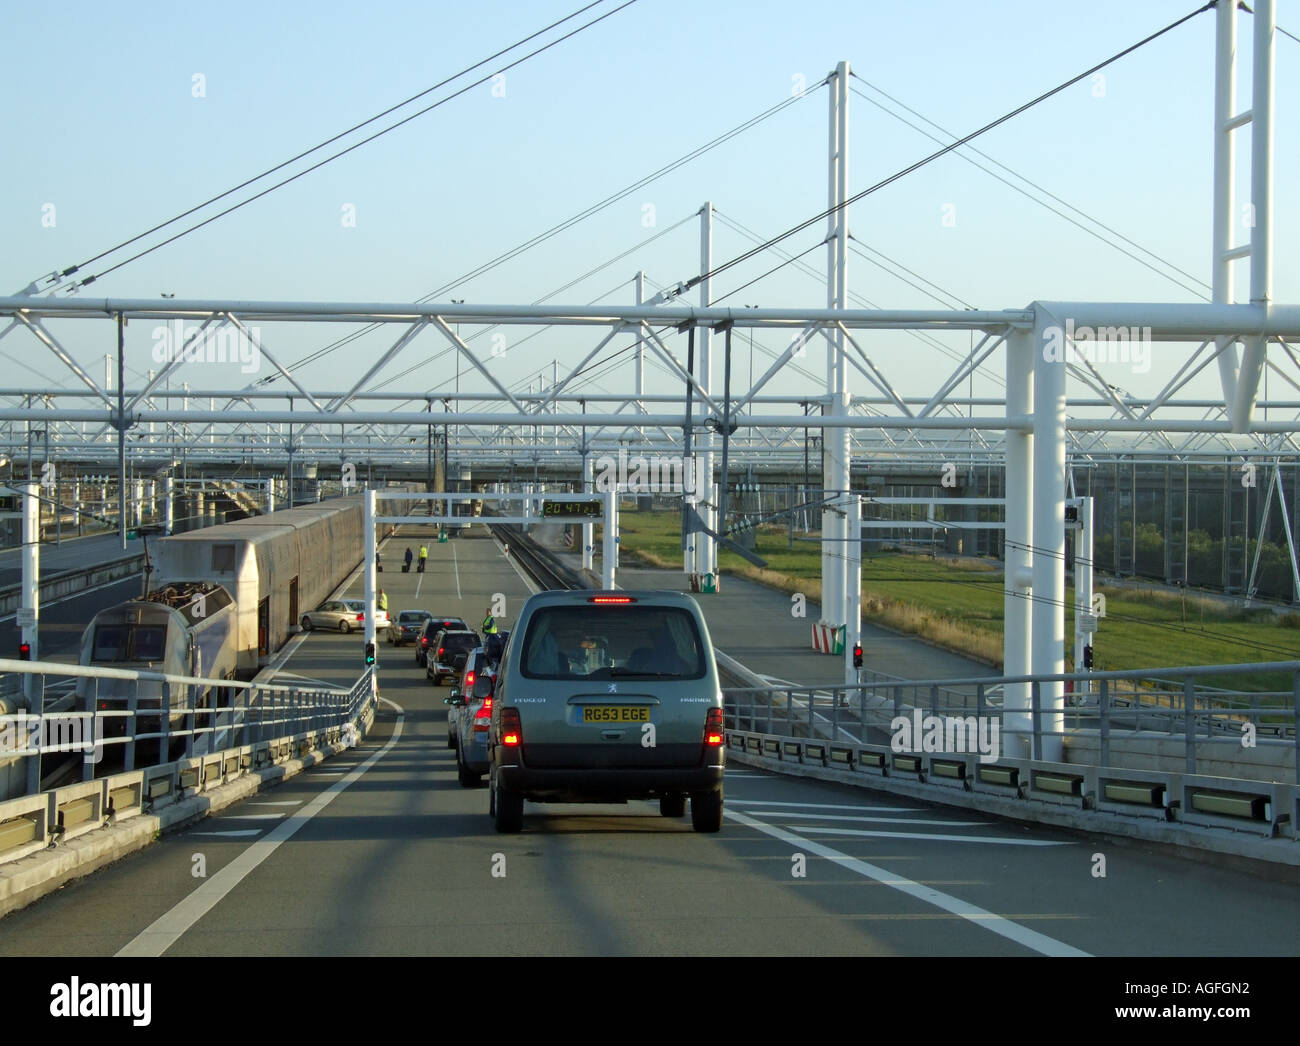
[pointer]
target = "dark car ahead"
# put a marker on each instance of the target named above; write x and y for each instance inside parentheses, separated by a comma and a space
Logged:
(432, 627)
(608, 697)
(408, 625)
(445, 657)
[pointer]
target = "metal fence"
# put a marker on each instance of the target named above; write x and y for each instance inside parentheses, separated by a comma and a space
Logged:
(121, 719)
(1101, 710)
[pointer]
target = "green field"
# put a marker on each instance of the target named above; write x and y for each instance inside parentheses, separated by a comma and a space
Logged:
(960, 605)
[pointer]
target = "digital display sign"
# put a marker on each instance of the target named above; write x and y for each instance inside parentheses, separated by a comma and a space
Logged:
(583, 509)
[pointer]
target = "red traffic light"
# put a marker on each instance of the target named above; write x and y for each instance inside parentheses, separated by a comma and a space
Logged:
(24, 651)
(857, 655)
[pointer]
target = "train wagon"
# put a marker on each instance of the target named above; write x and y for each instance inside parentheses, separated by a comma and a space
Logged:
(274, 566)
(183, 630)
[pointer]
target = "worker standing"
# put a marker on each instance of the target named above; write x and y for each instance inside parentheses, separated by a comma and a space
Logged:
(489, 623)
(382, 601)
(424, 554)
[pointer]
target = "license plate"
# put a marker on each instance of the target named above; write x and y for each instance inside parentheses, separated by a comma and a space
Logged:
(616, 713)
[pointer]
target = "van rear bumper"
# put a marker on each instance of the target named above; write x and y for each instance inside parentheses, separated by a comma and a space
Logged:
(575, 784)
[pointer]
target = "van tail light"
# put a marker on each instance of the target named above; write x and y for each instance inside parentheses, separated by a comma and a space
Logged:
(512, 732)
(424, 641)
(482, 716)
(469, 679)
(713, 735)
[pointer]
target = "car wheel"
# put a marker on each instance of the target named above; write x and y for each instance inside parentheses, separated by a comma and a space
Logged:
(706, 811)
(673, 806)
(509, 811)
(306, 623)
(344, 628)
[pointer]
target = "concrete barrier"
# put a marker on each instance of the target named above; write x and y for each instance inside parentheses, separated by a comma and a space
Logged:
(59, 586)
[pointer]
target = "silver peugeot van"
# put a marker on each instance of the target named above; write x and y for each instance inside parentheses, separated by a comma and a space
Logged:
(604, 697)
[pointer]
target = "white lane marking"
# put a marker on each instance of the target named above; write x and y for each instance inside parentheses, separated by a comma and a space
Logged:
(168, 928)
(996, 840)
(998, 924)
(242, 832)
(253, 817)
(869, 820)
(455, 564)
(419, 580)
(291, 802)
(831, 806)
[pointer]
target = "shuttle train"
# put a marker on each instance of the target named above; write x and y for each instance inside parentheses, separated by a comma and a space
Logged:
(223, 599)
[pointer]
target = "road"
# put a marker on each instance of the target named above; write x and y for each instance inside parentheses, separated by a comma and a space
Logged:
(396, 858)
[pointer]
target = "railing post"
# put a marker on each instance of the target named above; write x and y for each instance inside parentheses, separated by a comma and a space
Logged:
(1189, 722)
(1103, 722)
(1035, 714)
(191, 719)
(862, 715)
(1295, 721)
(131, 725)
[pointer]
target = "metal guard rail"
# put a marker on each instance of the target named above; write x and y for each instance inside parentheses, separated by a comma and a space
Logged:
(278, 723)
(851, 728)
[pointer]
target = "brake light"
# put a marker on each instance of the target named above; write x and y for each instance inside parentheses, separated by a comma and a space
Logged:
(611, 599)
(361, 617)
(713, 736)
(469, 679)
(441, 650)
(512, 732)
(484, 713)
(424, 641)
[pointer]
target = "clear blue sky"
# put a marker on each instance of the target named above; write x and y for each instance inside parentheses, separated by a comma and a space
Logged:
(103, 124)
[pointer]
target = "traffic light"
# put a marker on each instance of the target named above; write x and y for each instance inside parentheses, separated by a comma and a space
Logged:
(1087, 656)
(857, 655)
(24, 651)
(370, 653)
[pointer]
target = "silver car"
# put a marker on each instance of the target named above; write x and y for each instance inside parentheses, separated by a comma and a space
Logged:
(408, 626)
(346, 615)
(606, 697)
(468, 717)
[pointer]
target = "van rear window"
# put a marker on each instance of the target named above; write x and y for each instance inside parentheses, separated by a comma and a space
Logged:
(636, 641)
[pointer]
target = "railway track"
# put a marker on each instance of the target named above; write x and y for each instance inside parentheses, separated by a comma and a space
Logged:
(538, 563)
